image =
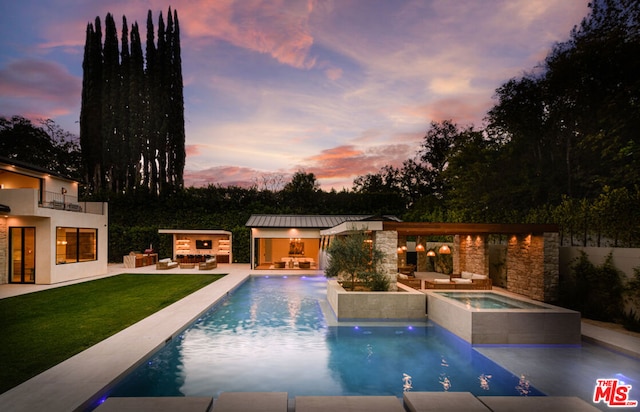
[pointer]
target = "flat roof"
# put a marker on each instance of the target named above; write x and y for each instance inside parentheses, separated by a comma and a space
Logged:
(14, 163)
(194, 231)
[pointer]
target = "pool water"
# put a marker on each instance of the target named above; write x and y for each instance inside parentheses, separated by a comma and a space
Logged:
(487, 300)
(271, 334)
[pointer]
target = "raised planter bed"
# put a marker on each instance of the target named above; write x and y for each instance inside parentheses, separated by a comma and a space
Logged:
(405, 304)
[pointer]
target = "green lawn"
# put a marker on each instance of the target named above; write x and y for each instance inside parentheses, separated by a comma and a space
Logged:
(40, 330)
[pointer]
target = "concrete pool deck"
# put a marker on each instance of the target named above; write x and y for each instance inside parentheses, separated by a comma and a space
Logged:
(74, 383)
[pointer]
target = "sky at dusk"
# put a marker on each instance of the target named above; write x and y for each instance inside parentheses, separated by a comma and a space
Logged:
(338, 88)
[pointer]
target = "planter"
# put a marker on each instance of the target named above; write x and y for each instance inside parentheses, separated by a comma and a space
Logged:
(404, 304)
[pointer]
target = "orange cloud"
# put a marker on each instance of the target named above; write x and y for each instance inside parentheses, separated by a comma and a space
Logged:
(349, 162)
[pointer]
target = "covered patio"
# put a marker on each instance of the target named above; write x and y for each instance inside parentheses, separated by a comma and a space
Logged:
(521, 258)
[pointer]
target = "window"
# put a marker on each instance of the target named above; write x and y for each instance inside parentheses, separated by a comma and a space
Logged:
(76, 245)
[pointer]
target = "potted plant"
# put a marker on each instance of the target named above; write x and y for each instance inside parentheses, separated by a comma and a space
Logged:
(355, 258)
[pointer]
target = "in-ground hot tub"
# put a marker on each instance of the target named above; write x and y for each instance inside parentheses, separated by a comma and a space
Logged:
(492, 317)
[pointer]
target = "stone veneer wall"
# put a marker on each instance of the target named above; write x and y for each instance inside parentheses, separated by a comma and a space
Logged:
(454, 253)
(473, 254)
(551, 266)
(4, 247)
(387, 242)
(532, 266)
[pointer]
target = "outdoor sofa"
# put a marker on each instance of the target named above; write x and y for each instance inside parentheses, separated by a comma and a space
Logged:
(464, 281)
(166, 263)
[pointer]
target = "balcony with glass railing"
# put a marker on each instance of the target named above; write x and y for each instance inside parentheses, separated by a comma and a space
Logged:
(27, 202)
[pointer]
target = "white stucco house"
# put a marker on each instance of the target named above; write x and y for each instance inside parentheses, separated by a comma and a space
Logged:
(47, 235)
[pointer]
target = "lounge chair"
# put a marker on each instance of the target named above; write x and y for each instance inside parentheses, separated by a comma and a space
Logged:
(208, 264)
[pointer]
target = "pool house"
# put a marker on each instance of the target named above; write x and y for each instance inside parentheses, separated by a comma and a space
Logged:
(521, 258)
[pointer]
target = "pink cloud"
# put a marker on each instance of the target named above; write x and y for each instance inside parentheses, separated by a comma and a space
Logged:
(338, 166)
(464, 110)
(333, 73)
(278, 28)
(223, 176)
(38, 89)
(192, 150)
(40, 79)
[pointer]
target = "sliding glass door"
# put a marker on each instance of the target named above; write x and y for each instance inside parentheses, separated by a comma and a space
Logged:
(22, 243)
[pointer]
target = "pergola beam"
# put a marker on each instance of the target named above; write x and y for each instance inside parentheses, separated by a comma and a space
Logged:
(429, 228)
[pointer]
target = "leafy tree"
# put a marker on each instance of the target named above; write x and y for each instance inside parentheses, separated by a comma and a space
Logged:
(302, 182)
(356, 257)
(46, 146)
(594, 84)
(476, 180)
(385, 181)
(435, 152)
(301, 192)
(571, 128)
(531, 158)
(418, 177)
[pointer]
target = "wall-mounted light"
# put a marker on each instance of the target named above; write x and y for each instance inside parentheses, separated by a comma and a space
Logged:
(444, 250)
(400, 251)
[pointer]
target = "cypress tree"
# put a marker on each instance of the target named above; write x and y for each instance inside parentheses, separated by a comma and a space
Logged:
(91, 111)
(160, 93)
(151, 106)
(132, 116)
(110, 87)
(124, 133)
(136, 109)
(177, 150)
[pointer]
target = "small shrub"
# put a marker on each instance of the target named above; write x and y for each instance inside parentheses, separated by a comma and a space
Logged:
(631, 321)
(631, 318)
(595, 291)
(377, 282)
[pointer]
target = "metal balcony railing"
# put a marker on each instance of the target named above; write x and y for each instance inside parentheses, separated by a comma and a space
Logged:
(53, 200)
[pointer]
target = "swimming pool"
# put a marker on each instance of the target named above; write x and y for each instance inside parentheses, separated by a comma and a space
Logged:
(273, 334)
